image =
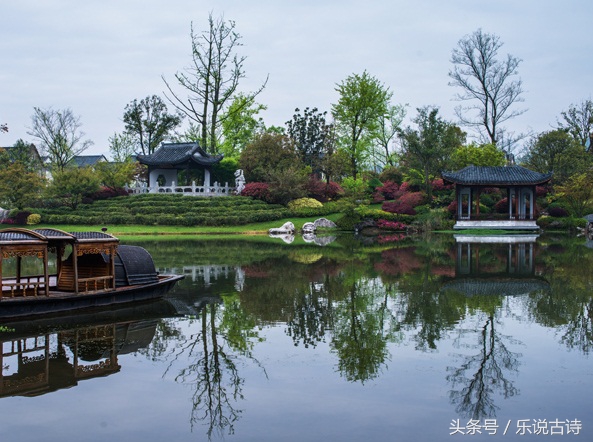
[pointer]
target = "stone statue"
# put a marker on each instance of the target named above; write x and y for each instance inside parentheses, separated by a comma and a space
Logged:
(239, 181)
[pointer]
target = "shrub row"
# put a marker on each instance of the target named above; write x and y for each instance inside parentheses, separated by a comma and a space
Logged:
(138, 201)
(158, 210)
(167, 219)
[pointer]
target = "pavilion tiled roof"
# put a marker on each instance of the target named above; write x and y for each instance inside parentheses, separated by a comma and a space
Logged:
(175, 154)
(496, 286)
(496, 176)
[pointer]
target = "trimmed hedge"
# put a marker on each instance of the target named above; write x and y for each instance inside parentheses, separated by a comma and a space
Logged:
(167, 209)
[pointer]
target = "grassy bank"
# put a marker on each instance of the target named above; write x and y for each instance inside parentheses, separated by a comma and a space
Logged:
(131, 230)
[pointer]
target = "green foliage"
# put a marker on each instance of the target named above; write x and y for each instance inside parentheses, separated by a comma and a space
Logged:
(393, 174)
(19, 188)
(25, 154)
(556, 151)
(115, 175)
(224, 171)
(433, 219)
(363, 102)
(72, 184)
(373, 183)
(122, 147)
(304, 203)
(34, 218)
(240, 125)
(482, 155)
(578, 122)
(323, 210)
(336, 164)
(268, 154)
(569, 223)
(289, 184)
(355, 188)
(312, 136)
(428, 148)
(167, 209)
(576, 194)
(149, 123)
(388, 128)
(355, 214)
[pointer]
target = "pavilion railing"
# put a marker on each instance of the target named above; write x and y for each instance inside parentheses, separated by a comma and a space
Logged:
(192, 190)
(495, 217)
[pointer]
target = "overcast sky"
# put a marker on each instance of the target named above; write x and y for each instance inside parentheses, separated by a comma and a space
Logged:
(94, 57)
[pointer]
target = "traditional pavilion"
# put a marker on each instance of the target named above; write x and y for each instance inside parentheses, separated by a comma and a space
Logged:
(519, 183)
(170, 158)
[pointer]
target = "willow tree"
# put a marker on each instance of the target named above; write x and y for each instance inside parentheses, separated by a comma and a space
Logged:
(212, 80)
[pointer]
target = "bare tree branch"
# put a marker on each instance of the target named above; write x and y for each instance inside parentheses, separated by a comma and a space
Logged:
(213, 79)
(58, 131)
(486, 80)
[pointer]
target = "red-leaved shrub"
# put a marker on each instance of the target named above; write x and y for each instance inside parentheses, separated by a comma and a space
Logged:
(323, 191)
(389, 190)
(557, 212)
(391, 225)
(438, 185)
(541, 191)
(21, 217)
(259, 191)
(398, 207)
(405, 204)
(377, 197)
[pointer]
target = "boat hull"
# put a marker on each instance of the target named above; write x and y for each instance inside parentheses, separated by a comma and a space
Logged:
(11, 308)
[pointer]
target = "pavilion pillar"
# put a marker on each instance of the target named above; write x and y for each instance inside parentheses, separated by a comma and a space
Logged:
(206, 177)
(532, 203)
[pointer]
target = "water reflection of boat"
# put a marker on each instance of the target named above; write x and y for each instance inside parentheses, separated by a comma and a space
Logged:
(508, 270)
(42, 355)
(92, 270)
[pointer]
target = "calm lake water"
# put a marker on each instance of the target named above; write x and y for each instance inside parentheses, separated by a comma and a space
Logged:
(391, 339)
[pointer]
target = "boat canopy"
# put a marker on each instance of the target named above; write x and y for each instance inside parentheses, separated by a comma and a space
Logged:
(74, 273)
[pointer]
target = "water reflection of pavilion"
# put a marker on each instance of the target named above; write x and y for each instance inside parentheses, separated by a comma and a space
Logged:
(208, 274)
(496, 265)
(47, 355)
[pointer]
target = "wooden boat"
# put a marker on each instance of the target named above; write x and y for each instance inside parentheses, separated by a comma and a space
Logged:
(91, 269)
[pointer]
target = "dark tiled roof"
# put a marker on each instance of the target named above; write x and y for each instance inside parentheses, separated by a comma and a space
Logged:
(496, 175)
(18, 236)
(87, 160)
(54, 234)
(495, 287)
(91, 235)
(174, 154)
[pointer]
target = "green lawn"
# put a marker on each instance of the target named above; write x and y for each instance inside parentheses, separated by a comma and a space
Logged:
(130, 230)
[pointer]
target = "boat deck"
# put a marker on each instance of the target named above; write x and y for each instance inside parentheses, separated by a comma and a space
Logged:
(34, 288)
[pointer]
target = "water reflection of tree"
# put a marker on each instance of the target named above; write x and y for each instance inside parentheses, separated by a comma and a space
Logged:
(420, 304)
(363, 325)
(480, 376)
(568, 307)
(224, 340)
